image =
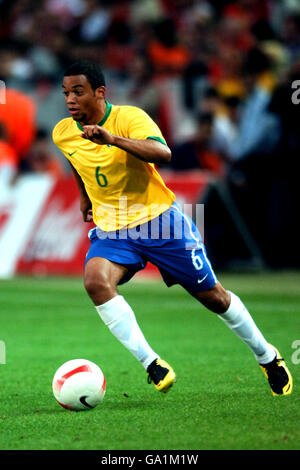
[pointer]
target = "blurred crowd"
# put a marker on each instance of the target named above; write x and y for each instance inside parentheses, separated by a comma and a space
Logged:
(216, 75)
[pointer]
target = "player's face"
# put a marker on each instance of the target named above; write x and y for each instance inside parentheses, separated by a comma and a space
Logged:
(84, 103)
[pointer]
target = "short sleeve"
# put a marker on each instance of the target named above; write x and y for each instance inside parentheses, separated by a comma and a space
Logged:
(60, 136)
(137, 124)
(58, 132)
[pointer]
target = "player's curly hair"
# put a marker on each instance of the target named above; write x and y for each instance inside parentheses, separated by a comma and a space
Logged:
(91, 70)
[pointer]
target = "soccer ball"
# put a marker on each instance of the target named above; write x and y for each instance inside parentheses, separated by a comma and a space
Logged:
(79, 385)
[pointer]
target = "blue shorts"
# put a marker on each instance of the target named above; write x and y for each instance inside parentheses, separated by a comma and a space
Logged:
(171, 241)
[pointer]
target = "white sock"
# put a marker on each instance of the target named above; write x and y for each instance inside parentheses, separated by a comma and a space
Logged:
(120, 319)
(239, 320)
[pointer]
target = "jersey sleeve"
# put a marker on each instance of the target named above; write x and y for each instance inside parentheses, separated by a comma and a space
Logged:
(59, 136)
(57, 133)
(137, 124)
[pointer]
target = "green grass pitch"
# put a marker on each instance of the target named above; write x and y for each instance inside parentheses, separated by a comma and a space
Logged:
(221, 400)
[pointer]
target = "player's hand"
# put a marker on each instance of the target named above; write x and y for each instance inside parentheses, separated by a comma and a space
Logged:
(97, 134)
(86, 209)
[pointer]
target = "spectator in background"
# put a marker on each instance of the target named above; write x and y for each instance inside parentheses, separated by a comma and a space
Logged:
(94, 22)
(226, 120)
(210, 102)
(139, 90)
(18, 118)
(41, 158)
(291, 36)
(251, 176)
(120, 49)
(200, 151)
(258, 129)
(227, 123)
(168, 56)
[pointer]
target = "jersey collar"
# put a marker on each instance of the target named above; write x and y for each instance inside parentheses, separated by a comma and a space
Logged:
(104, 119)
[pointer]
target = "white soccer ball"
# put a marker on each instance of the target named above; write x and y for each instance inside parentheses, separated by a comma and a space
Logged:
(79, 385)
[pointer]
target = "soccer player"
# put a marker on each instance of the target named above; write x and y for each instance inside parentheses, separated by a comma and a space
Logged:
(113, 151)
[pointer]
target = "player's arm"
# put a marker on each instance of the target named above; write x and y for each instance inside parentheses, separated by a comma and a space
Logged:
(85, 203)
(148, 150)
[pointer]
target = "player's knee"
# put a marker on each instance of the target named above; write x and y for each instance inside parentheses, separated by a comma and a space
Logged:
(217, 299)
(220, 303)
(98, 287)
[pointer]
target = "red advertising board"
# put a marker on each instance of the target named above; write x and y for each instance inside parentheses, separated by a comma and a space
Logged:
(58, 241)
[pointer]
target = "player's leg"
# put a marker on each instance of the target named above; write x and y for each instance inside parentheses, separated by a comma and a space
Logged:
(101, 278)
(183, 260)
(235, 315)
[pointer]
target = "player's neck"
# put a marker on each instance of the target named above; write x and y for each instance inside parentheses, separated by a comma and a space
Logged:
(97, 115)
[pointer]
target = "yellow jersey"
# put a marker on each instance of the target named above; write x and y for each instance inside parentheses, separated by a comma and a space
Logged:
(124, 191)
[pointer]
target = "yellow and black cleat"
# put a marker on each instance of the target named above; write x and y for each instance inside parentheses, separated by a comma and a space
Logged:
(278, 375)
(161, 374)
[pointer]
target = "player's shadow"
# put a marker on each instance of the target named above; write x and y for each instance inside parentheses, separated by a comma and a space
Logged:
(129, 403)
(122, 403)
